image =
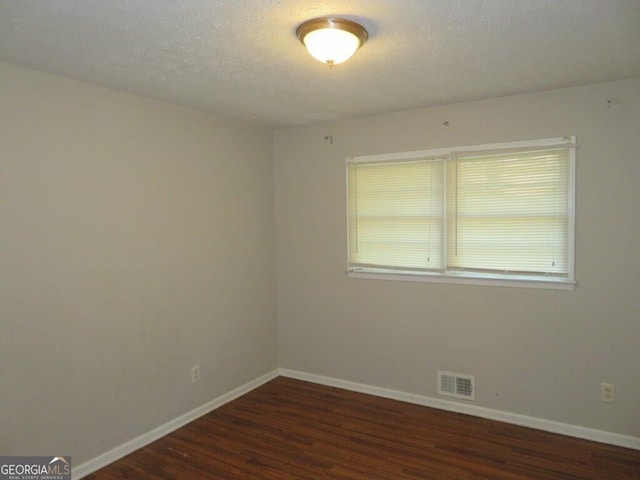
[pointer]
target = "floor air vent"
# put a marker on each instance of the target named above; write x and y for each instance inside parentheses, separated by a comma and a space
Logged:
(457, 385)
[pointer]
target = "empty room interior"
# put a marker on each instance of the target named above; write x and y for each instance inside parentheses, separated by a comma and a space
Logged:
(419, 262)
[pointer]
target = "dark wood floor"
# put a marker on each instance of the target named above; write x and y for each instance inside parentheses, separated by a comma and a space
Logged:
(288, 429)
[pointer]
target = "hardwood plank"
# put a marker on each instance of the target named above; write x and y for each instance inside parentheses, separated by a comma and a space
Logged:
(292, 430)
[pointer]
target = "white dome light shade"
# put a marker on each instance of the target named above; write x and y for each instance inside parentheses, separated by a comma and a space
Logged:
(331, 40)
(331, 45)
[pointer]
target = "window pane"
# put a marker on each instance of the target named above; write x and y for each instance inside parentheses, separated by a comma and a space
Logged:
(509, 212)
(395, 214)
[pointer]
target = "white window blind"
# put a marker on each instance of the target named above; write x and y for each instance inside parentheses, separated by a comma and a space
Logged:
(490, 211)
(396, 215)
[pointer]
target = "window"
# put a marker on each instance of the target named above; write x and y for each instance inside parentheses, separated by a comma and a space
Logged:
(491, 214)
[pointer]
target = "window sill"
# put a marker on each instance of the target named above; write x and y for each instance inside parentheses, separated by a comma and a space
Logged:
(467, 279)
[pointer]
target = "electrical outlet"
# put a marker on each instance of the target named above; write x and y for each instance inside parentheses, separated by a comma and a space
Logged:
(195, 373)
(608, 392)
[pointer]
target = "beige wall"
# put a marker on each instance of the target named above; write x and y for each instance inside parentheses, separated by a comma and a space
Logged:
(136, 240)
(539, 353)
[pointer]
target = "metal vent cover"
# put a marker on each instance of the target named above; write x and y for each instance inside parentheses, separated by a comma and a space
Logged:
(458, 385)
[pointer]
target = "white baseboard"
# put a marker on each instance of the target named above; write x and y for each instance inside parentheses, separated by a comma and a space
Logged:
(502, 416)
(145, 439)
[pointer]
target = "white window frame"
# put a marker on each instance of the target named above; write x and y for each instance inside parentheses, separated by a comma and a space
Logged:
(469, 278)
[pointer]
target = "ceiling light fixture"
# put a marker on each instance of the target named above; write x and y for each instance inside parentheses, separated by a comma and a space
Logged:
(331, 40)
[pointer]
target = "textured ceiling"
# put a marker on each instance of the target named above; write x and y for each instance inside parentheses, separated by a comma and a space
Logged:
(241, 59)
